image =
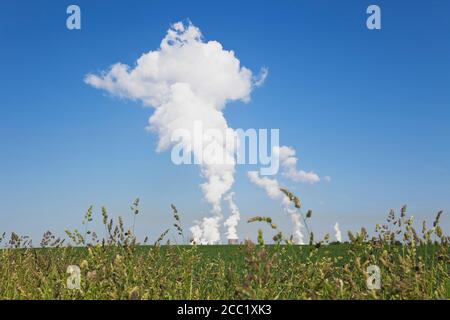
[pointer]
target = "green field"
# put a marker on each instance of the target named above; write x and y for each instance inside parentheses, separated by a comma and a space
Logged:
(410, 265)
(225, 272)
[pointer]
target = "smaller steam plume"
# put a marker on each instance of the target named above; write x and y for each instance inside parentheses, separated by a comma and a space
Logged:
(232, 221)
(272, 188)
(338, 234)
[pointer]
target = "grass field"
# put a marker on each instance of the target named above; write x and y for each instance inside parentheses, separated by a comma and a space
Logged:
(410, 264)
(224, 272)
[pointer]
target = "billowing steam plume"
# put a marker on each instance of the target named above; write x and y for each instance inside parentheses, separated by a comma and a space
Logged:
(188, 80)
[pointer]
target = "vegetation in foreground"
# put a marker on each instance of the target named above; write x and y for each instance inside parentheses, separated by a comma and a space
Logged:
(413, 265)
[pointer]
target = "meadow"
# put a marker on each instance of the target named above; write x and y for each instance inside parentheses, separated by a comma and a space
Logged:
(412, 264)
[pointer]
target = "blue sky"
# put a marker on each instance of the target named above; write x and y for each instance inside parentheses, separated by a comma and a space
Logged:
(368, 108)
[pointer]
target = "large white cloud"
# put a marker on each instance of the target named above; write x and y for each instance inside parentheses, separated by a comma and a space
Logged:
(212, 74)
(187, 80)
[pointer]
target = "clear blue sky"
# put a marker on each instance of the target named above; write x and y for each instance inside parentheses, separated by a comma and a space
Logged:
(371, 109)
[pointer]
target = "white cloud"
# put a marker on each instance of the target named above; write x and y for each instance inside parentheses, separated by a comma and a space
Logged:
(210, 73)
(288, 163)
(187, 80)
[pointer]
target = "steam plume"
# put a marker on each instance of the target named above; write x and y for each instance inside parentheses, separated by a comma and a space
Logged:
(188, 80)
(288, 163)
(232, 221)
(338, 232)
(272, 188)
(297, 235)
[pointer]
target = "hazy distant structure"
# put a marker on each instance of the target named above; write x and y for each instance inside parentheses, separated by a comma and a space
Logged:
(232, 241)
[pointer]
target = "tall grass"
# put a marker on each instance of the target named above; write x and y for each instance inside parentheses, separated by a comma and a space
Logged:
(414, 265)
